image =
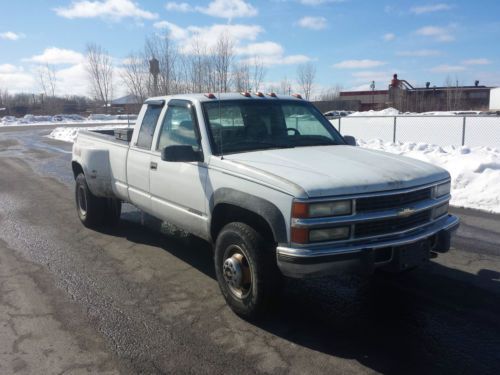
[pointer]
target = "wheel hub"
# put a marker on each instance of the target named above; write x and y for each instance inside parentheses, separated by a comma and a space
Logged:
(233, 272)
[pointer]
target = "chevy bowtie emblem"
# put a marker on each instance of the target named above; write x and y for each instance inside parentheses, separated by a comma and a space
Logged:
(406, 212)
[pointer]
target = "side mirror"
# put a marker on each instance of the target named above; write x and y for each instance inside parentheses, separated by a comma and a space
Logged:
(350, 140)
(181, 153)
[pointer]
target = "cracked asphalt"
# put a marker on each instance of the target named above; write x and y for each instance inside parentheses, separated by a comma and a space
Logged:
(142, 298)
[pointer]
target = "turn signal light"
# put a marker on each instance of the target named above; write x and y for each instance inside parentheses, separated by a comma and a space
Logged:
(300, 235)
(300, 210)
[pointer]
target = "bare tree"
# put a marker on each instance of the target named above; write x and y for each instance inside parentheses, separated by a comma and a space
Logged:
(306, 74)
(47, 80)
(223, 55)
(100, 71)
(454, 95)
(258, 73)
(135, 76)
(331, 94)
(200, 68)
(285, 86)
(162, 48)
(242, 77)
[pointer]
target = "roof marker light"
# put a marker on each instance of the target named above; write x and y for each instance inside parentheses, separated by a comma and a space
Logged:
(272, 95)
(259, 94)
(298, 96)
(210, 96)
(246, 94)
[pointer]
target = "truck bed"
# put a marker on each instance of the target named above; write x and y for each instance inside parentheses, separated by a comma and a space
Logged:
(122, 135)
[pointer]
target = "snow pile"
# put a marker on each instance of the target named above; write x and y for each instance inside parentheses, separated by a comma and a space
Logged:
(66, 119)
(384, 112)
(66, 134)
(475, 172)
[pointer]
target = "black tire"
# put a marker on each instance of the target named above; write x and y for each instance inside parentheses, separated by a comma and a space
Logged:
(258, 260)
(95, 212)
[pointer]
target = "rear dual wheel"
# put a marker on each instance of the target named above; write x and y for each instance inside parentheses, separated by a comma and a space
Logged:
(95, 212)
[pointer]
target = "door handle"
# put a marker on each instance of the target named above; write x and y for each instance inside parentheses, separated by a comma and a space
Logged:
(153, 166)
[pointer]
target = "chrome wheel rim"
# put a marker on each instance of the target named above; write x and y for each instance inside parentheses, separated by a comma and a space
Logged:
(237, 273)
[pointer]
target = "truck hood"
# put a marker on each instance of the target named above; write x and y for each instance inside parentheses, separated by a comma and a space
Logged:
(334, 170)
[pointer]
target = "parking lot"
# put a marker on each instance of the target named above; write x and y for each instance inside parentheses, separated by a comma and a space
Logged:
(143, 297)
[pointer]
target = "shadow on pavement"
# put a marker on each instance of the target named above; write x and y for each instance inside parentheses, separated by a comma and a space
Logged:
(434, 319)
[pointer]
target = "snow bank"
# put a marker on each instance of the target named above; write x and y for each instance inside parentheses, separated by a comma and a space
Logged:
(66, 119)
(66, 134)
(384, 112)
(475, 172)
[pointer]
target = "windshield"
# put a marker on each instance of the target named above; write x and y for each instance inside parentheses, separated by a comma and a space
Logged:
(248, 125)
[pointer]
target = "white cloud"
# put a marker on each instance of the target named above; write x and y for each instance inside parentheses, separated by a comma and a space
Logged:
(419, 53)
(229, 9)
(10, 35)
(192, 36)
(389, 36)
(15, 79)
(313, 23)
(480, 61)
(72, 80)
(430, 8)
(445, 68)
(8, 69)
(280, 59)
(54, 55)
(175, 32)
(108, 9)
(358, 64)
(179, 7)
(440, 34)
(259, 49)
(267, 52)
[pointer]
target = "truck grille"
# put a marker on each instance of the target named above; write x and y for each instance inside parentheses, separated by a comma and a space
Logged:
(387, 226)
(384, 202)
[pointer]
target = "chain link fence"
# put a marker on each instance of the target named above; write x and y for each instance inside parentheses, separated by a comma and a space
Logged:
(467, 130)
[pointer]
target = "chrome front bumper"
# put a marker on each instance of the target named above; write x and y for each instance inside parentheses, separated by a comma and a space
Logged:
(360, 255)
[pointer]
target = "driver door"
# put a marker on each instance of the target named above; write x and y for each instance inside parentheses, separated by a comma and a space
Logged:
(178, 188)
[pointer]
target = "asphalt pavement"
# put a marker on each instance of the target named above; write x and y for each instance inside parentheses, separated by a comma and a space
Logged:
(142, 298)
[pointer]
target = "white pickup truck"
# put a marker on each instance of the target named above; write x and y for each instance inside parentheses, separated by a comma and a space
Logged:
(271, 184)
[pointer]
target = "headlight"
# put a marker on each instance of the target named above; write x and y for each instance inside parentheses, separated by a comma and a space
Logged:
(443, 189)
(440, 211)
(329, 234)
(324, 209)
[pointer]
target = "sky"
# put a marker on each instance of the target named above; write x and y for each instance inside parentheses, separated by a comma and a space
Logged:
(350, 42)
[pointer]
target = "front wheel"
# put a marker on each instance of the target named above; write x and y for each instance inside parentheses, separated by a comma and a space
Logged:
(246, 270)
(95, 212)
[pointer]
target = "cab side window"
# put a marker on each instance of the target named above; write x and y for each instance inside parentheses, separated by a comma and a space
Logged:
(178, 128)
(145, 137)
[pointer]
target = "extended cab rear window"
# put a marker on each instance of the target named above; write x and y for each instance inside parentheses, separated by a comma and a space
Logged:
(145, 137)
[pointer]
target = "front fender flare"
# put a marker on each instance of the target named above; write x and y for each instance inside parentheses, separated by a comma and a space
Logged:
(267, 210)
